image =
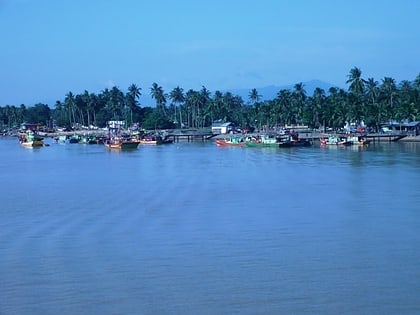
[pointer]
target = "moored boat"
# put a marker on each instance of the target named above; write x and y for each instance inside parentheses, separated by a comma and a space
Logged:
(154, 140)
(334, 140)
(293, 140)
(120, 143)
(294, 143)
(117, 140)
(358, 140)
(230, 142)
(30, 139)
(262, 141)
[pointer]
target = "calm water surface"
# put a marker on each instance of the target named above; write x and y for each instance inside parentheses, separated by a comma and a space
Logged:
(190, 228)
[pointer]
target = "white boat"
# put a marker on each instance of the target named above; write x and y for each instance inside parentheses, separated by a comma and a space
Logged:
(334, 140)
(358, 140)
(30, 139)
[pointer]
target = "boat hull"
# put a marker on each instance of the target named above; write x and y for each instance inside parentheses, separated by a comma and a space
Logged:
(33, 144)
(128, 145)
(295, 143)
(334, 141)
(228, 143)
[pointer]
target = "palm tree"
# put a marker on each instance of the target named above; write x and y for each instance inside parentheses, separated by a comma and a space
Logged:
(116, 103)
(177, 96)
(157, 93)
(284, 106)
(356, 81)
(219, 108)
(374, 111)
(204, 105)
(254, 97)
(299, 99)
(134, 92)
(336, 108)
(356, 89)
(69, 104)
(192, 101)
(318, 104)
(407, 109)
(389, 95)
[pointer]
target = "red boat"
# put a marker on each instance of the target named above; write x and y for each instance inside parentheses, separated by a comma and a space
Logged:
(230, 142)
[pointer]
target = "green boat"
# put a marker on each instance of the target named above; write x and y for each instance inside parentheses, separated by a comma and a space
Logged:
(262, 141)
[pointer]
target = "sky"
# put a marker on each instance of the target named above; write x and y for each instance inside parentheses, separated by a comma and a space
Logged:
(49, 48)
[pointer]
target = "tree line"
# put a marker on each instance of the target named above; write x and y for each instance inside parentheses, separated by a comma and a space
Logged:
(365, 100)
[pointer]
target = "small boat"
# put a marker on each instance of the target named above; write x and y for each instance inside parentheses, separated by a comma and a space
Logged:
(290, 143)
(30, 139)
(358, 140)
(117, 140)
(68, 139)
(121, 143)
(154, 140)
(262, 141)
(334, 140)
(230, 142)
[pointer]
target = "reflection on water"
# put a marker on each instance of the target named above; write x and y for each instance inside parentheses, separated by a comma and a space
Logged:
(195, 229)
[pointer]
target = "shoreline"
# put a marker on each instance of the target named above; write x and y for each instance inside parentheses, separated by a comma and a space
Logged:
(302, 135)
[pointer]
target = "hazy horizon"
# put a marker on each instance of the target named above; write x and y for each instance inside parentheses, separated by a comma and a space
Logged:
(53, 47)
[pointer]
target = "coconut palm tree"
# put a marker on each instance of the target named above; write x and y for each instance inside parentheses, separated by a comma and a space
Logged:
(69, 104)
(354, 78)
(134, 92)
(389, 96)
(204, 105)
(160, 98)
(407, 109)
(356, 89)
(254, 97)
(317, 106)
(177, 96)
(298, 99)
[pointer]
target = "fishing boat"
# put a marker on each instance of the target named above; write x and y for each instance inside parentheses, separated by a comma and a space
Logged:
(66, 139)
(358, 140)
(121, 143)
(230, 142)
(30, 139)
(117, 140)
(334, 140)
(262, 141)
(154, 140)
(293, 141)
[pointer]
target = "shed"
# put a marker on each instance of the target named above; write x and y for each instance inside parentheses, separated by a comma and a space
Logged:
(221, 128)
(409, 127)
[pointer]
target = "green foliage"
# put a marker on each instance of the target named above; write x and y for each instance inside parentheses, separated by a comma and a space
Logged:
(155, 119)
(365, 100)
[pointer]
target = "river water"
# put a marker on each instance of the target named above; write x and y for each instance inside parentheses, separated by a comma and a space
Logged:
(191, 228)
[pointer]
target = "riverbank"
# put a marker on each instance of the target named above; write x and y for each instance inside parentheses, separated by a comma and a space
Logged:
(317, 135)
(313, 135)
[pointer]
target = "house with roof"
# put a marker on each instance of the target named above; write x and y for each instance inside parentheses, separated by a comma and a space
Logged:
(409, 127)
(219, 127)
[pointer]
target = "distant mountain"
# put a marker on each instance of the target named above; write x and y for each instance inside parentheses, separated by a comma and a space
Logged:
(270, 92)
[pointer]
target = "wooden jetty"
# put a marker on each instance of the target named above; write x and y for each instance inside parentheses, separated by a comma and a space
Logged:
(374, 137)
(385, 137)
(190, 136)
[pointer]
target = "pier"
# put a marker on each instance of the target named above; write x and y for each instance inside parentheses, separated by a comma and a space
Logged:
(385, 137)
(190, 136)
(374, 137)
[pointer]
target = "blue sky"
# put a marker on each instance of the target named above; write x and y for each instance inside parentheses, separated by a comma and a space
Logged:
(51, 47)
